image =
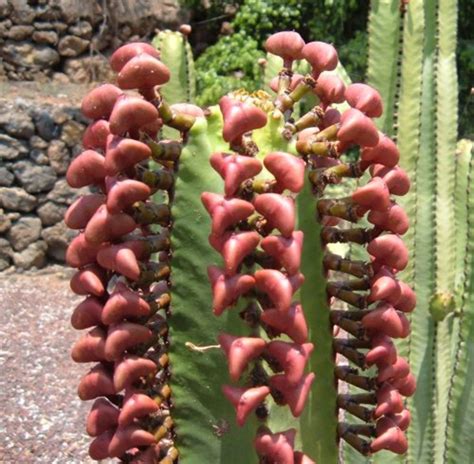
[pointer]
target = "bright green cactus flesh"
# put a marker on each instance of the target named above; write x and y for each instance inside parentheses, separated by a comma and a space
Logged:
(422, 115)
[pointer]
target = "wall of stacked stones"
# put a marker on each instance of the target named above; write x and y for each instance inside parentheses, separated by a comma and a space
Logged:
(37, 142)
(69, 40)
(49, 49)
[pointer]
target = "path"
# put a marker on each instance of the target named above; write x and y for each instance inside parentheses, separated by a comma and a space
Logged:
(41, 418)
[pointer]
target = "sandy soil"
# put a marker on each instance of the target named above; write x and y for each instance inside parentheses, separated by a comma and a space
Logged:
(41, 418)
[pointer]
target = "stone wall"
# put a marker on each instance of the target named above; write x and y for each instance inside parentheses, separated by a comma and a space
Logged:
(69, 40)
(55, 45)
(38, 138)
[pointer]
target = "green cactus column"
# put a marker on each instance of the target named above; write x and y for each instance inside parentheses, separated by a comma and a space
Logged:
(319, 420)
(425, 116)
(414, 135)
(204, 419)
(447, 331)
(176, 53)
(459, 445)
(384, 52)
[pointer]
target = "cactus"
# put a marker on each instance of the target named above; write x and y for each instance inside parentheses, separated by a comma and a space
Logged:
(412, 64)
(176, 53)
(216, 294)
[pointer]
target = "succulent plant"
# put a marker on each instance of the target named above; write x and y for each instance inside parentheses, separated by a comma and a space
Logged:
(273, 193)
(412, 64)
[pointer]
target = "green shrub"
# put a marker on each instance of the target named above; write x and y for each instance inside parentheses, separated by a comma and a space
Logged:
(231, 62)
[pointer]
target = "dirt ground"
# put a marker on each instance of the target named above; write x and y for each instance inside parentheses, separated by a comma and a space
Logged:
(41, 418)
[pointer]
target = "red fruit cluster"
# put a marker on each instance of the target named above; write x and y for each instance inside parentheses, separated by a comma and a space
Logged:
(253, 228)
(234, 237)
(124, 291)
(323, 136)
(381, 307)
(254, 222)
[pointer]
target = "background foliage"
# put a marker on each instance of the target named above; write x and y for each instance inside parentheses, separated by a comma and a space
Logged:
(228, 36)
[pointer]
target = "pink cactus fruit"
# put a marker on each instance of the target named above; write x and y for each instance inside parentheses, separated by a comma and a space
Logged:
(239, 351)
(278, 210)
(287, 169)
(321, 56)
(240, 118)
(295, 395)
(366, 99)
(277, 447)
(226, 290)
(287, 251)
(287, 44)
(234, 169)
(245, 400)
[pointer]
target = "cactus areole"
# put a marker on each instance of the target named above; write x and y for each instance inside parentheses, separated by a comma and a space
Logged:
(225, 324)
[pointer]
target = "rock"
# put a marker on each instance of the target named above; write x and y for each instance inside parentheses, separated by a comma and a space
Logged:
(51, 213)
(76, 150)
(72, 11)
(80, 118)
(5, 222)
(88, 69)
(6, 253)
(7, 66)
(21, 12)
(16, 199)
(71, 46)
(58, 155)
(81, 29)
(28, 55)
(102, 40)
(125, 32)
(57, 26)
(64, 194)
(39, 157)
(45, 37)
(49, 13)
(13, 216)
(6, 177)
(41, 198)
(5, 27)
(20, 32)
(24, 231)
(46, 126)
(146, 15)
(59, 115)
(16, 123)
(60, 27)
(34, 178)
(43, 25)
(61, 78)
(58, 238)
(33, 256)
(44, 56)
(4, 262)
(11, 149)
(71, 133)
(38, 142)
(24, 104)
(5, 8)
